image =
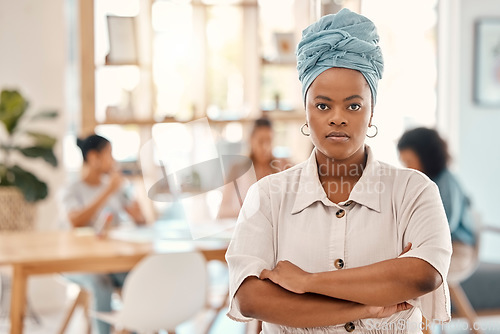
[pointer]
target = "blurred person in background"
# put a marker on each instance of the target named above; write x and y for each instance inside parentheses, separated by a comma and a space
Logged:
(264, 164)
(261, 150)
(99, 195)
(423, 149)
(101, 188)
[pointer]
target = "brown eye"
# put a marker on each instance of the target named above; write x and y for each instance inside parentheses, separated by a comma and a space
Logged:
(322, 106)
(354, 107)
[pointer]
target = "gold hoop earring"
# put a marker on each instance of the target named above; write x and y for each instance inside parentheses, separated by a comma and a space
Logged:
(302, 130)
(376, 131)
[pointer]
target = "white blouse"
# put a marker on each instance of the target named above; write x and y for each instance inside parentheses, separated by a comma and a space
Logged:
(287, 216)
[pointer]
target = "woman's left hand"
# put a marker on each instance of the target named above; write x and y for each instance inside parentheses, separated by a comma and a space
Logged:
(288, 276)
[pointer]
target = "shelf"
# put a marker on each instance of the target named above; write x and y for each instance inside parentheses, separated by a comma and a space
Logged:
(264, 61)
(275, 115)
(282, 115)
(109, 65)
(147, 89)
(240, 3)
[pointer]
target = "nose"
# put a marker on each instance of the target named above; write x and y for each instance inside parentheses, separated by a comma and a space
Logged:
(337, 117)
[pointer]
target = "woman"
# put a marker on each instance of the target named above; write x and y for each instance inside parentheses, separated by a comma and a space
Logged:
(261, 150)
(101, 187)
(99, 192)
(424, 150)
(263, 161)
(324, 247)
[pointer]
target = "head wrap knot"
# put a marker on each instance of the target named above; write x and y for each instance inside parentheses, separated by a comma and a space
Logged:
(345, 39)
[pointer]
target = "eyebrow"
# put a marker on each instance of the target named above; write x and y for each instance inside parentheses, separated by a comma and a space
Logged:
(353, 97)
(322, 97)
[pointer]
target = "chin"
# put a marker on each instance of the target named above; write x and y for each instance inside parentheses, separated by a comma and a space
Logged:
(338, 151)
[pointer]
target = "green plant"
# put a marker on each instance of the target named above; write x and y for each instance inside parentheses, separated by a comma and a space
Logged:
(18, 138)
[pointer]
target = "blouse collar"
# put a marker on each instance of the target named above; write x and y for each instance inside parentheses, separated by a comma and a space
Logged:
(366, 191)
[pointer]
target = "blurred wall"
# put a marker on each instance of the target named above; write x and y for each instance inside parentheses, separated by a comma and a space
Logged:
(478, 138)
(32, 59)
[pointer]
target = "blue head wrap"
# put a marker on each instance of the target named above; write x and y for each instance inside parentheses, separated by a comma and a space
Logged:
(345, 39)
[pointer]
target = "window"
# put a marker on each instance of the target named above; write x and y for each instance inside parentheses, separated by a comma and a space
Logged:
(173, 58)
(407, 95)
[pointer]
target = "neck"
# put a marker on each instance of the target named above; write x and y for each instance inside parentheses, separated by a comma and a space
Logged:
(91, 176)
(261, 162)
(351, 167)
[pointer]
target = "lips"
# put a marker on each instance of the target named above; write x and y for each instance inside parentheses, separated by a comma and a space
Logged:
(337, 134)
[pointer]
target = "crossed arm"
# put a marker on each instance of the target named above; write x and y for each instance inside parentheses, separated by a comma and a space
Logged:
(264, 300)
(289, 296)
(382, 284)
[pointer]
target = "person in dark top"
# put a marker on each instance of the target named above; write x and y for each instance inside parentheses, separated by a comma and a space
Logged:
(423, 149)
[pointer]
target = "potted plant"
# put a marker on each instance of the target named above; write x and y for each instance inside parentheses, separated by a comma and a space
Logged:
(20, 188)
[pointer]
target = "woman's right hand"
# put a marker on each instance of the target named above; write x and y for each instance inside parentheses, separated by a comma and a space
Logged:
(387, 311)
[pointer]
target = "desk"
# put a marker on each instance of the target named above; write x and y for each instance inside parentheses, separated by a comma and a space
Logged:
(32, 253)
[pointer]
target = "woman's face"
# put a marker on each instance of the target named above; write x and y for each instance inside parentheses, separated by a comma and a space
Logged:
(338, 111)
(410, 159)
(102, 161)
(262, 144)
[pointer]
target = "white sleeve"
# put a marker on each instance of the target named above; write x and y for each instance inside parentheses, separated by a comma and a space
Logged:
(428, 230)
(251, 249)
(72, 199)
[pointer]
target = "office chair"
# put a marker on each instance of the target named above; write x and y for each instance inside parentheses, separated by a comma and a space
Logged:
(161, 292)
(81, 300)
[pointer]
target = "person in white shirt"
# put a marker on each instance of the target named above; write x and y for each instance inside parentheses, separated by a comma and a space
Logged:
(100, 188)
(340, 242)
(99, 192)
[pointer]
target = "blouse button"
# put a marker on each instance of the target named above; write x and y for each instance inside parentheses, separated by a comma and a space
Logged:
(340, 213)
(349, 202)
(339, 263)
(349, 327)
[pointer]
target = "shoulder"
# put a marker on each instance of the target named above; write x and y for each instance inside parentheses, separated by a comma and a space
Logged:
(446, 177)
(401, 173)
(404, 179)
(73, 194)
(282, 181)
(281, 164)
(449, 183)
(406, 191)
(75, 186)
(395, 177)
(289, 173)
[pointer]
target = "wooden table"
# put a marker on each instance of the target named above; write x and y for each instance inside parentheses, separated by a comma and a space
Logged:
(33, 253)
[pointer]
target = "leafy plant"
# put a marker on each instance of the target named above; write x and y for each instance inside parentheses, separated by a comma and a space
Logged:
(19, 139)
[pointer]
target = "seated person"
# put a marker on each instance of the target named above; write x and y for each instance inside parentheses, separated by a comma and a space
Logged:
(424, 150)
(261, 150)
(263, 161)
(99, 190)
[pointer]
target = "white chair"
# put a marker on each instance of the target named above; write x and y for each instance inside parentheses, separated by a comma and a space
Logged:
(82, 299)
(161, 292)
